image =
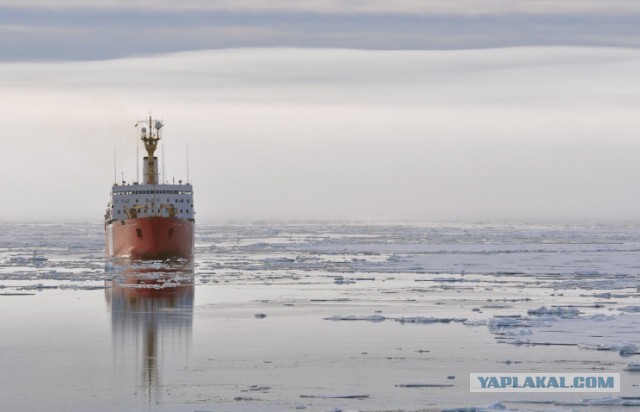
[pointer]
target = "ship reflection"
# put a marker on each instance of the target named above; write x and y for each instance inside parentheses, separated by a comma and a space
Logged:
(151, 317)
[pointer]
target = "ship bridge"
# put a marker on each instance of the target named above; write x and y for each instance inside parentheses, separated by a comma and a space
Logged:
(131, 201)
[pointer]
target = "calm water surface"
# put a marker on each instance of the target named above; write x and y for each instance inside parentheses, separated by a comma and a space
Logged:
(79, 332)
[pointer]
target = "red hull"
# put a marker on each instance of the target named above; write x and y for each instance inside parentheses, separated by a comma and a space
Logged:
(150, 238)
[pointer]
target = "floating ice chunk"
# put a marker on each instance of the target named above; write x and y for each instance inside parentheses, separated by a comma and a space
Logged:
(259, 388)
(505, 322)
(519, 332)
(600, 317)
(469, 409)
(623, 348)
(561, 311)
(39, 286)
(336, 396)
(448, 280)
(424, 385)
(420, 319)
(31, 260)
(340, 280)
(633, 367)
(370, 318)
(497, 406)
(605, 401)
(80, 287)
(477, 322)
(630, 309)
(629, 349)
(394, 258)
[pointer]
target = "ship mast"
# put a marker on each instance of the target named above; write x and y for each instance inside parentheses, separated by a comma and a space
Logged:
(150, 138)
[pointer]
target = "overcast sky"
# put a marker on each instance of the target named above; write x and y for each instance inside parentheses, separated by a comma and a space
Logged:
(98, 29)
(327, 109)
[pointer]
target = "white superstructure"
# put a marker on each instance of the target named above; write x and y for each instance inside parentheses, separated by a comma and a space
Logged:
(151, 198)
(130, 201)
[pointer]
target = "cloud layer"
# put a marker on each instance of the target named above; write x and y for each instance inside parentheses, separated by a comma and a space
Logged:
(472, 7)
(525, 133)
(70, 30)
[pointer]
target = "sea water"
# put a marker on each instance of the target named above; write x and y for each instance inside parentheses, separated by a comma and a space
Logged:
(319, 316)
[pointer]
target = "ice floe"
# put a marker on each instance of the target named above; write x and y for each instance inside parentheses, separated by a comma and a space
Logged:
(430, 319)
(613, 331)
(563, 312)
(605, 401)
(356, 396)
(505, 322)
(369, 318)
(630, 309)
(424, 385)
(633, 367)
(494, 407)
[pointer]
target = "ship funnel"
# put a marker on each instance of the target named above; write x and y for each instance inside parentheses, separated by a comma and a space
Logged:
(154, 171)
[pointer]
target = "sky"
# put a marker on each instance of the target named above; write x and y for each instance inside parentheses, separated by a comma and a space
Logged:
(102, 29)
(417, 110)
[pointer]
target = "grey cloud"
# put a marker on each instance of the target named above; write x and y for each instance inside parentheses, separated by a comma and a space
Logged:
(412, 7)
(93, 34)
